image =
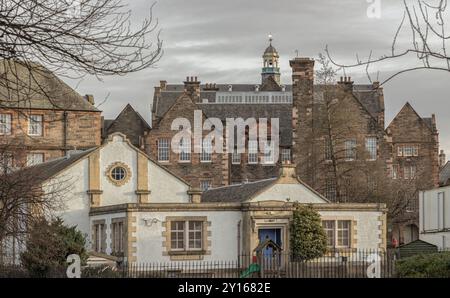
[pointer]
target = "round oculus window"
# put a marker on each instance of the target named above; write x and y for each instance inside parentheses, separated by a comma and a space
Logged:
(118, 173)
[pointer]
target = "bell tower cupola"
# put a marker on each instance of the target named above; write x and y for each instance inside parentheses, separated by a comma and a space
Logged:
(270, 63)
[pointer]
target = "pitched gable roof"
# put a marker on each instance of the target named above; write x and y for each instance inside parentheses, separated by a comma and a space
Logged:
(33, 86)
(407, 108)
(128, 122)
(44, 171)
(236, 192)
(47, 170)
(246, 191)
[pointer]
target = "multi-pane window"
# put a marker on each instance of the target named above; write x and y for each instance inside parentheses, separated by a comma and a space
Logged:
(205, 156)
(252, 152)
(205, 184)
(408, 150)
(35, 125)
(338, 233)
(99, 238)
(330, 189)
(177, 235)
(186, 235)
(35, 158)
(371, 147)
(285, 155)
(327, 151)
(409, 171)
(117, 237)
(235, 158)
(343, 233)
(163, 149)
(5, 124)
(350, 149)
(185, 150)
(195, 235)
(328, 226)
(268, 157)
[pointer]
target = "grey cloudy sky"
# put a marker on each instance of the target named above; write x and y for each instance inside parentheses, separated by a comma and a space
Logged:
(222, 41)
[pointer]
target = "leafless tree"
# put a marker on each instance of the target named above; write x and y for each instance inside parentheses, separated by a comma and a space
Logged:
(69, 38)
(425, 22)
(335, 126)
(25, 196)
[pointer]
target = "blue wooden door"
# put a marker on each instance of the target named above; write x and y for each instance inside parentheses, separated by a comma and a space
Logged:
(273, 234)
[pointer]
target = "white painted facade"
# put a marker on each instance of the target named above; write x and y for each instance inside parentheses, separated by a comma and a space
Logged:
(169, 196)
(434, 216)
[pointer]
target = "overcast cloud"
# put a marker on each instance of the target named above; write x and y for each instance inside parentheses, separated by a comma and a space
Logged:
(222, 41)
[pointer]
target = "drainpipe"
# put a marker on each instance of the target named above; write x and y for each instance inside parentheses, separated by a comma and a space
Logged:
(65, 132)
(239, 242)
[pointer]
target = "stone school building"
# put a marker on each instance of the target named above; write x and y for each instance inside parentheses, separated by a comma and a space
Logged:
(130, 206)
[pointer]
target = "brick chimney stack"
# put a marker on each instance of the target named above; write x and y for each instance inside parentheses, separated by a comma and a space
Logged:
(192, 88)
(302, 108)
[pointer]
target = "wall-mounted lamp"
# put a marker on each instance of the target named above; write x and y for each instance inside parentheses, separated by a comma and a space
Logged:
(150, 221)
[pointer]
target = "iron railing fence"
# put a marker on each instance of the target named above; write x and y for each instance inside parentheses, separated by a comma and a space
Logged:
(337, 264)
(334, 264)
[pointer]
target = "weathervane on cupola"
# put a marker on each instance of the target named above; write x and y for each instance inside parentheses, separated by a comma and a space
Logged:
(270, 63)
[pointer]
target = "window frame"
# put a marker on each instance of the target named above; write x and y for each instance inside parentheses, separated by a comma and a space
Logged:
(32, 122)
(268, 155)
(163, 145)
(372, 148)
(336, 229)
(6, 126)
(185, 155)
(206, 157)
(35, 154)
(330, 184)
(118, 236)
(99, 236)
(209, 181)
(186, 235)
(252, 155)
(234, 160)
(286, 152)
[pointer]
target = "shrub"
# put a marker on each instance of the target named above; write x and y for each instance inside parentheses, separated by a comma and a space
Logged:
(48, 246)
(433, 265)
(308, 239)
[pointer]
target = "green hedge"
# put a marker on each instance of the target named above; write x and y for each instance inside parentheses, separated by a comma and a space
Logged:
(425, 266)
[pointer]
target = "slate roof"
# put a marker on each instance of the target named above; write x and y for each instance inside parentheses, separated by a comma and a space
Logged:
(38, 88)
(236, 192)
(364, 93)
(128, 122)
(46, 170)
(444, 174)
